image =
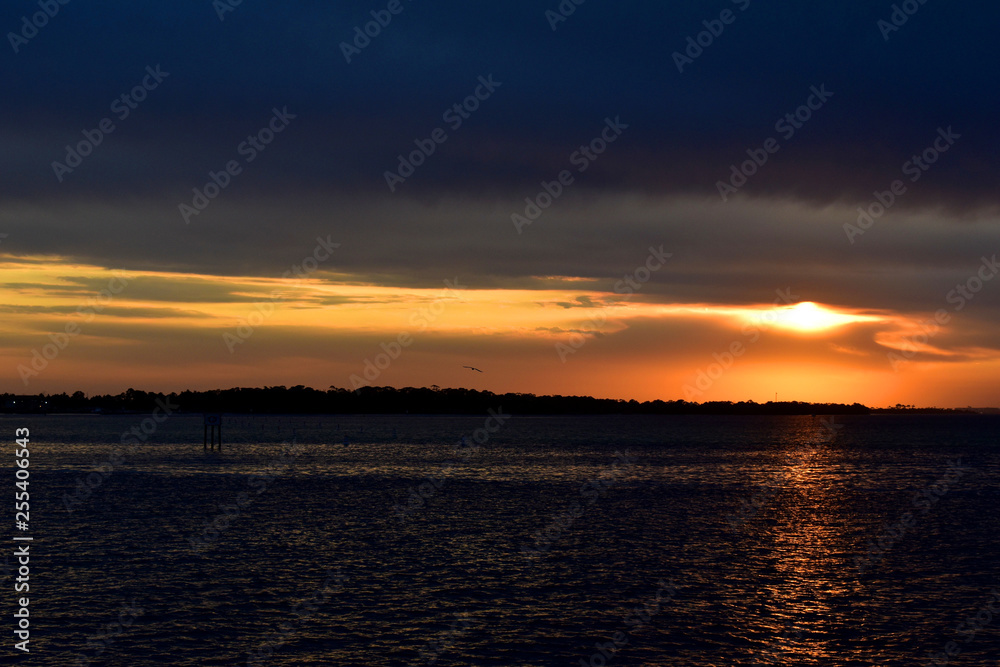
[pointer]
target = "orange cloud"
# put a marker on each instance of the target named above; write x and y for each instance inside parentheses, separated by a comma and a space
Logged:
(167, 331)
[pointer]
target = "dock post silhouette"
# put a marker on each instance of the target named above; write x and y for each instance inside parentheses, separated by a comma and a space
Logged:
(213, 427)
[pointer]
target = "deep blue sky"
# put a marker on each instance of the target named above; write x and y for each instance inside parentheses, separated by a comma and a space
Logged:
(607, 58)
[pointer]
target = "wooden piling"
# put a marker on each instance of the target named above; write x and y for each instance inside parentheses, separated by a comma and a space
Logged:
(213, 429)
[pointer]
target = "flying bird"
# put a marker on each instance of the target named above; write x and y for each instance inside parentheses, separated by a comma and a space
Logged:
(471, 368)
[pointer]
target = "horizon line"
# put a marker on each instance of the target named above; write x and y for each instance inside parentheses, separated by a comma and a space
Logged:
(435, 388)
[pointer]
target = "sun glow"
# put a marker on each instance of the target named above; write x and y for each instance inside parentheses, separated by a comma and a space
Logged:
(809, 317)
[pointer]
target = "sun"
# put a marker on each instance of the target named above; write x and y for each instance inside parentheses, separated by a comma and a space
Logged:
(809, 317)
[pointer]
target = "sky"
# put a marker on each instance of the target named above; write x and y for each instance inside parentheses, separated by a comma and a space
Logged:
(726, 200)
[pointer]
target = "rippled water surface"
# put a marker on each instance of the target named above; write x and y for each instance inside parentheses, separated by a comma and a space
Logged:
(691, 540)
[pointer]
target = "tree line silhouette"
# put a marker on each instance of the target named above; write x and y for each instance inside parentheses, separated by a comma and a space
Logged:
(391, 400)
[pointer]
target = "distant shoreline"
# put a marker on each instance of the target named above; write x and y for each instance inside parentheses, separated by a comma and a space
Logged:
(412, 400)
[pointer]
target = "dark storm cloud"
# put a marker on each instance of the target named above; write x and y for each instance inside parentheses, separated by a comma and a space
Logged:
(323, 174)
(606, 59)
(721, 253)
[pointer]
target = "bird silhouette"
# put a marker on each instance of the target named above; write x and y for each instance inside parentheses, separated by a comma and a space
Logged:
(471, 368)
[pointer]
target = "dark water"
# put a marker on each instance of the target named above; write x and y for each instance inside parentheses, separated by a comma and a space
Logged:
(689, 540)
